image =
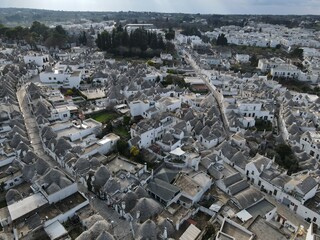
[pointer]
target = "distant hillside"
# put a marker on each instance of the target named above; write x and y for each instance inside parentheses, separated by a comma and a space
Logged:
(25, 17)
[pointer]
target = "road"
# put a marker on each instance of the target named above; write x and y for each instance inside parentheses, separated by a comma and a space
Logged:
(121, 228)
(217, 95)
(32, 129)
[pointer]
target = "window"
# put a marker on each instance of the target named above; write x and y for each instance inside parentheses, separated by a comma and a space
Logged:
(54, 78)
(49, 78)
(314, 219)
(312, 153)
(259, 183)
(65, 115)
(275, 192)
(252, 172)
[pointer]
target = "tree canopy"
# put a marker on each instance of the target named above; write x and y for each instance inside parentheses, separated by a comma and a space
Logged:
(191, 31)
(170, 34)
(286, 158)
(38, 33)
(139, 42)
(222, 40)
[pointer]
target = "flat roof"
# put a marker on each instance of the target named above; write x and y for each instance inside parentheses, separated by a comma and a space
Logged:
(244, 215)
(91, 94)
(108, 138)
(26, 205)
(264, 231)
(67, 131)
(118, 164)
(187, 184)
(55, 230)
(194, 80)
(234, 230)
(191, 233)
(178, 152)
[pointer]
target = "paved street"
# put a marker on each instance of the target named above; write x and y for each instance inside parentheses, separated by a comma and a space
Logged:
(32, 129)
(202, 74)
(121, 227)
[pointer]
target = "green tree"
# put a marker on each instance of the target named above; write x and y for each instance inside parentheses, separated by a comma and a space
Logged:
(297, 53)
(222, 40)
(254, 60)
(126, 120)
(59, 29)
(170, 34)
(190, 31)
(83, 38)
(40, 29)
(123, 147)
(286, 158)
(134, 151)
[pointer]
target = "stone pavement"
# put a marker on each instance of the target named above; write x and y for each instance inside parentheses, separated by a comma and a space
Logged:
(32, 129)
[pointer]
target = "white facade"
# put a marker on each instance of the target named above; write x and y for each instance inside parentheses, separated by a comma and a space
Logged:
(285, 70)
(61, 113)
(310, 143)
(266, 64)
(62, 77)
(139, 107)
(39, 60)
(168, 104)
(242, 58)
(254, 110)
(152, 134)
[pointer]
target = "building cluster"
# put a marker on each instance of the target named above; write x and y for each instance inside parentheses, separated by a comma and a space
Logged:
(198, 147)
(267, 35)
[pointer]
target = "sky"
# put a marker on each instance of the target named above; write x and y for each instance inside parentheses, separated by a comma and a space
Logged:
(181, 6)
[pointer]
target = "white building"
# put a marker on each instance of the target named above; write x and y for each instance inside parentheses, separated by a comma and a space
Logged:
(310, 143)
(254, 109)
(286, 71)
(139, 107)
(62, 76)
(242, 58)
(40, 60)
(266, 64)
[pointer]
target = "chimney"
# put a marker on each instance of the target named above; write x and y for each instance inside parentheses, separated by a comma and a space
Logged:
(145, 166)
(132, 230)
(262, 167)
(269, 164)
(138, 215)
(123, 205)
(165, 233)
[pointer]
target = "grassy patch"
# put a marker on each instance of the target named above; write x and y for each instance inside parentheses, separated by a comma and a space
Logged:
(262, 125)
(74, 227)
(295, 85)
(75, 232)
(3, 203)
(122, 132)
(104, 117)
(174, 79)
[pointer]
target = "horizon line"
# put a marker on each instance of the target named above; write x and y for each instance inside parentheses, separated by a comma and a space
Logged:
(145, 11)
